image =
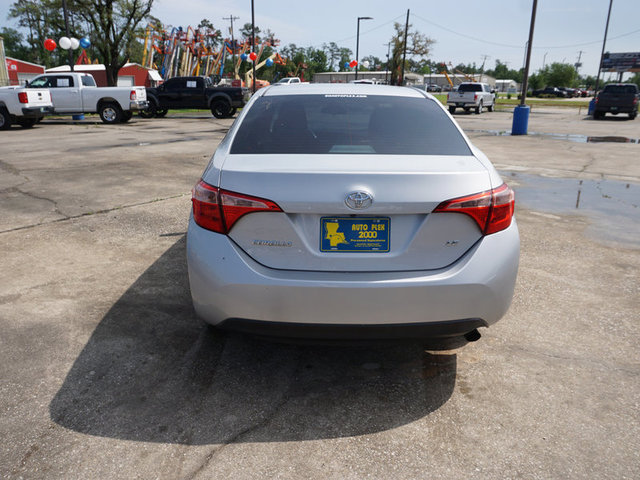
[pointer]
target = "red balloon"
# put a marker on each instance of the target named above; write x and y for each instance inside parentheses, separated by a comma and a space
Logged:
(253, 56)
(50, 44)
(353, 63)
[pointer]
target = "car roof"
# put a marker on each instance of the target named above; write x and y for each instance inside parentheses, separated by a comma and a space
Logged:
(343, 89)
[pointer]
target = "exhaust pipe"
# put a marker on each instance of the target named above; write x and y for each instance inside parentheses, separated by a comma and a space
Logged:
(472, 336)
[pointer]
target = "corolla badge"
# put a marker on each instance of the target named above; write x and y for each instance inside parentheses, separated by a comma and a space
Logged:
(359, 200)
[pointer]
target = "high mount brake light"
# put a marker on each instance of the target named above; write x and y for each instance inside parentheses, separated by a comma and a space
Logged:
(218, 210)
(492, 210)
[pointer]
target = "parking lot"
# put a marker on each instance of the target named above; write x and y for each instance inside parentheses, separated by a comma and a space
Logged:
(107, 373)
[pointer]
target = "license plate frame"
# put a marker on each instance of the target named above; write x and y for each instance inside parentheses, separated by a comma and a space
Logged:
(355, 234)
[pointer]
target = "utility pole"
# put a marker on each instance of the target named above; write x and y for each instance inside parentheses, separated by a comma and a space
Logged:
(386, 70)
(253, 47)
(578, 64)
(66, 27)
(604, 43)
(404, 55)
(521, 112)
(233, 43)
(484, 59)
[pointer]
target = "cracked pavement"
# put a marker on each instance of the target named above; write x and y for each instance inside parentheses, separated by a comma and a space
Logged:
(107, 373)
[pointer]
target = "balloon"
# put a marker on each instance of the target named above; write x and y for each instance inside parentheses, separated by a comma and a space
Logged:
(64, 43)
(269, 62)
(253, 56)
(244, 56)
(50, 44)
(75, 43)
(346, 64)
(366, 64)
(353, 63)
(85, 42)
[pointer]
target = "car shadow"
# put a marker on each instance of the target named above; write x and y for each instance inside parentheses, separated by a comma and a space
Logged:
(151, 371)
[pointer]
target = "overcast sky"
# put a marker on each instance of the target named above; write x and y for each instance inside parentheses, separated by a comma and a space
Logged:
(464, 30)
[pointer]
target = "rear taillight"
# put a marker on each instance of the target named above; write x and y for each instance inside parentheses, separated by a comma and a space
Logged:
(217, 210)
(132, 95)
(492, 210)
(475, 97)
(23, 98)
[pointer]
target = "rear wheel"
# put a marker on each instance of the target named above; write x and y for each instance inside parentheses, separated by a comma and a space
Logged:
(232, 112)
(452, 109)
(492, 106)
(110, 113)
(148, 112)
(161, 112)
(27, 122)
(479, 108)
(5, 119)
(633, 115)
(220, 108)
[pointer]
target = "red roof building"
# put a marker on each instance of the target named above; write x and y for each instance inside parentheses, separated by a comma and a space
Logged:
(21, 71)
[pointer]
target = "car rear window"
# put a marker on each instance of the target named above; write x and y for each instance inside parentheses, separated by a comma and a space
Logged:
(347, 124)
(621, 89)
(470, 87)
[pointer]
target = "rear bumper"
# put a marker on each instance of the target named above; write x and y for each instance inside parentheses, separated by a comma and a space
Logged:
(616, 109)
(229, 288)
(36, 112)
(138, 105)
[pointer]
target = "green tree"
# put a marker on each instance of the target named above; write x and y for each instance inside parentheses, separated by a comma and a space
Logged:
(635, 79)
(417, 44)
(14, 43)
(561, 75)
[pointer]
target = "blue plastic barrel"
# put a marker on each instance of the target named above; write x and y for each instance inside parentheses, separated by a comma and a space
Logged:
(78, 117)
(592, 107)
(520, 120)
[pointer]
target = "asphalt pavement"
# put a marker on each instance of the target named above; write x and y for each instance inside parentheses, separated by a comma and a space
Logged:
(107, 373)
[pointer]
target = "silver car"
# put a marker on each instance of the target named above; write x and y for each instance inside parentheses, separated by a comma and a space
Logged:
(351, 211)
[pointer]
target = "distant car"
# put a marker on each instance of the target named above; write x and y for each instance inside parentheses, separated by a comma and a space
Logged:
(434, 88)
(549, 92)
(350, 211)
(289, 81)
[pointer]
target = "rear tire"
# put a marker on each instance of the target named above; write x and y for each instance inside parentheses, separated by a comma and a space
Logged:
(5, 119)
(161, 112)
(27, 122)
(110, 113)
(492, 107)
(452, 110)
(479, 108)
(149, 112)
(232, 112)
(633, 115)
(220, 108)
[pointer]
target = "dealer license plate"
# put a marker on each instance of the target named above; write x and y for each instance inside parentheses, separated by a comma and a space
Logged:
(355, 234)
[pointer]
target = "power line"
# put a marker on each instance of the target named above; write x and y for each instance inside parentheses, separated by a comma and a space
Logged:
(519, 47)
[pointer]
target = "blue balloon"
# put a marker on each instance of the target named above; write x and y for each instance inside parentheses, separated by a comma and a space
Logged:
(346, 64)
(244, 56)
(85, 42)
(269, 62)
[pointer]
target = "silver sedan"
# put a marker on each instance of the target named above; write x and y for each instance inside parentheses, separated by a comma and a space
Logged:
(351, 211)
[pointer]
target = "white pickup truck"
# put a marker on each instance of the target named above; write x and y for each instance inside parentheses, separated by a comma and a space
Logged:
(23, 106)
(472, 95)
(76, 93)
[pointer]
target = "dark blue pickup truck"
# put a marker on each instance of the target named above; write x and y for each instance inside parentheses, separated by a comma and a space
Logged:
(180, 93)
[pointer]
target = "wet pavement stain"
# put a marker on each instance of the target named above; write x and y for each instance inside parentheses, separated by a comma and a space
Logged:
(563, 136)
(611, 206)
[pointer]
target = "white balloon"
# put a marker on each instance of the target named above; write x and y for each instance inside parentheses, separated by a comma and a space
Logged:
(75, 43)
(366, 64)
(65, 43)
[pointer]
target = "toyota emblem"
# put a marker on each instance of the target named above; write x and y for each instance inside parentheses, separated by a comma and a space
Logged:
(359, 200)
